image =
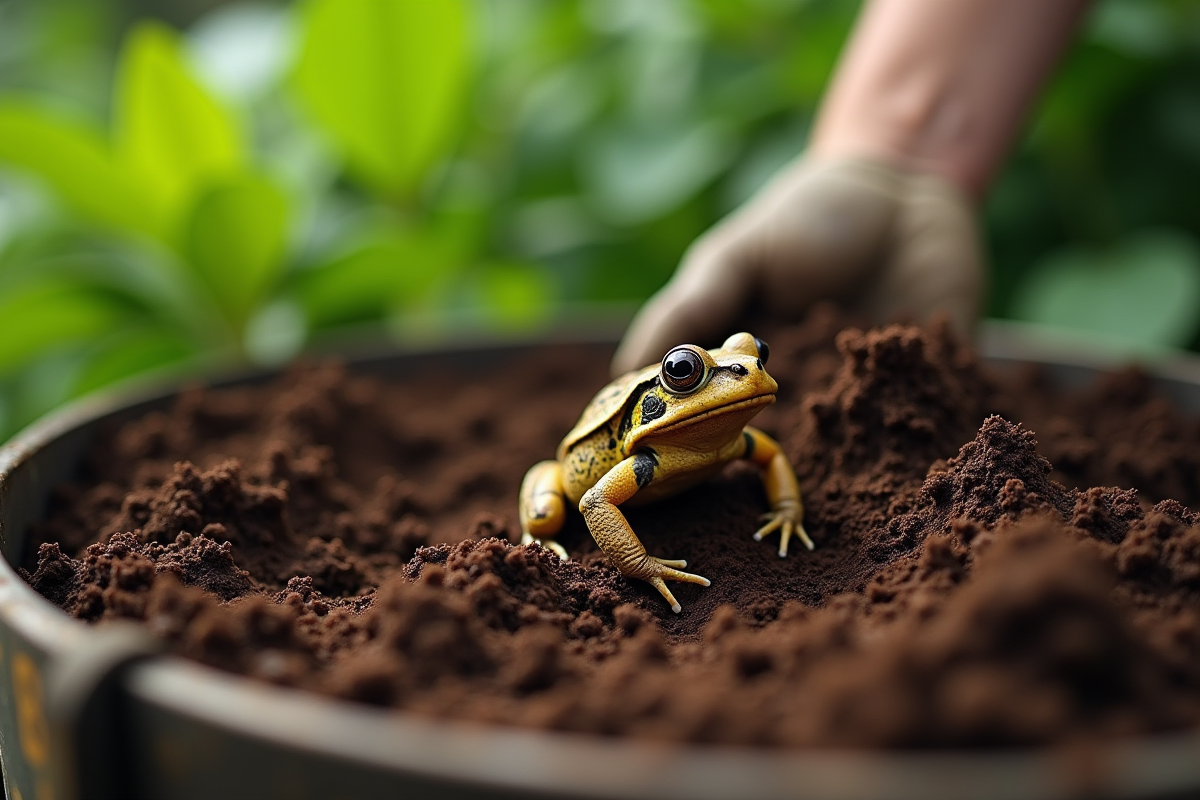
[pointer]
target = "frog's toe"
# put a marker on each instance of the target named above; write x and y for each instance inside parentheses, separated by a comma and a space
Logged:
(672, 574)
(787, 527)
(775, 523)
(804, 537)
(660, 584)
(789, 530)
(667, 572)
(549, 544)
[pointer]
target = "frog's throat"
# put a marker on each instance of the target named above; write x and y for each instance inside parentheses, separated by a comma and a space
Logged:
(741, 405)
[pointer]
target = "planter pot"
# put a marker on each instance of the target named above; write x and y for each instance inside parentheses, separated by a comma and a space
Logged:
(98, 712)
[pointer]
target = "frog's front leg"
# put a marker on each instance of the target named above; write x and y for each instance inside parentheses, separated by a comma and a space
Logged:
(540, 506)
(783, 491)
(611, 530)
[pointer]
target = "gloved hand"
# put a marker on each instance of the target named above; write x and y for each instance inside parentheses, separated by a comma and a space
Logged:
(880, 239)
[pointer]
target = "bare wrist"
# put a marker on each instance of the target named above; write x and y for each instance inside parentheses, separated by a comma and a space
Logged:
(941, 86)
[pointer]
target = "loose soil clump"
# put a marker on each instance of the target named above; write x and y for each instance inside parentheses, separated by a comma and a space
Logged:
(997, 563)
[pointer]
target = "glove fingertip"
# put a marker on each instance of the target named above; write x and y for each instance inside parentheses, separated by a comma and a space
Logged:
(668, 319)
(638, 349)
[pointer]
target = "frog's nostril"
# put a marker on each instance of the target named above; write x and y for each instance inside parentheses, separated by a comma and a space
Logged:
(739, 370)
(760, 366)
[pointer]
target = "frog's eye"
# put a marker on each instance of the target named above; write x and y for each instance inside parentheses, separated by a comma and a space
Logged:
(682, 371)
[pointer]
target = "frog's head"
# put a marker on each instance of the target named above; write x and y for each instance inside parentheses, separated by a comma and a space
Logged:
(706, 397)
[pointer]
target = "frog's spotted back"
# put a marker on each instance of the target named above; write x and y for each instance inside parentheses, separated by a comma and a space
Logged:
(607, 403)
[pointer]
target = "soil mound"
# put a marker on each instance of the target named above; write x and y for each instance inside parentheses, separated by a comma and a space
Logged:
(978, 580)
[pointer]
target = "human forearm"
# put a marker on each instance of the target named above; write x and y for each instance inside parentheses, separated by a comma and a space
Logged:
(941, 85)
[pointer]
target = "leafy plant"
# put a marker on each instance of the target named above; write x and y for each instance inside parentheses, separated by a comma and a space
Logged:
(278, 173)
(187, 235)
(385, 81)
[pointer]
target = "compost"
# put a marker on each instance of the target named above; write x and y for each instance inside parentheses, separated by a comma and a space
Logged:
(997, 563)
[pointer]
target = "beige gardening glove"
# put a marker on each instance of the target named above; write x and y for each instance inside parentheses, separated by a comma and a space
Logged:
(880, 239)
(924, 102)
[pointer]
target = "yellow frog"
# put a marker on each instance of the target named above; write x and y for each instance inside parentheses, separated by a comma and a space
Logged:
(657, 431)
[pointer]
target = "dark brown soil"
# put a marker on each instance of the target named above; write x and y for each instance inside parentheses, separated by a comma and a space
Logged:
(353, 537)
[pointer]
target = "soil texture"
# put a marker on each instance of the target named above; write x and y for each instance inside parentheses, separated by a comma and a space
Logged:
(998, 563)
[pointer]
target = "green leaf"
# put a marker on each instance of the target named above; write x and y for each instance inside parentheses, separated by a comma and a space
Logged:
(368, 282)
(515, 295)
(357, 286)
(635, 173)
(43, 384)
(150, 281)
(171, 134)
(130, 353)
(43, 316)
(1081, 99)
(1142, 293)
(235, 241)
(384, 79)
(6, 425)
(76, 163)
(1133, 26)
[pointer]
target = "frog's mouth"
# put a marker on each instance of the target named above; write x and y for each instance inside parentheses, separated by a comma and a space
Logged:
(728, 408)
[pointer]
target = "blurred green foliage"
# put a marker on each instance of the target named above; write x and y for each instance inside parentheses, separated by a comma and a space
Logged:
(195, 178)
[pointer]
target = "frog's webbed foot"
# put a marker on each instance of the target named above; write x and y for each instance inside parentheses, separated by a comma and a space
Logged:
(785, 518)
(660, 570)
(549, 544)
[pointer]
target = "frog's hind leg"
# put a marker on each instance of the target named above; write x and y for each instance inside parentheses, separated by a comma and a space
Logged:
(542, 506)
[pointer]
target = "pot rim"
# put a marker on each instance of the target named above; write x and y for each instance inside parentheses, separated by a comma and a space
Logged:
(581, 765)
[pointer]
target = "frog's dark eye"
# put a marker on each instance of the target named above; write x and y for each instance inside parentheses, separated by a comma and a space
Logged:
(682, 371)
(764, 350)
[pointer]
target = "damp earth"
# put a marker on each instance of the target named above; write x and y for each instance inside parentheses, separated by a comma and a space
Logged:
(997, 562)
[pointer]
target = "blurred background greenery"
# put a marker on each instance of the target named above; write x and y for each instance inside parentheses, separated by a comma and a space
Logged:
(183, 179)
